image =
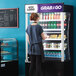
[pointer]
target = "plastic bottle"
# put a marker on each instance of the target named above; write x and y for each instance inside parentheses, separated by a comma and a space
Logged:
(65, 24)
(45, 25)
(46, 16)
(58, 16)
(48, 25)
(40, 16)
(65, 17)
(51, 25)
(50, 15)
(57, 24)
(53, 15)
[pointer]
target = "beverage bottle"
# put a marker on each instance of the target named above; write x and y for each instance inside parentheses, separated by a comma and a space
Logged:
(65, 17)
(53, 15)
(57, 24)
(42, 16)
(46, 16)
(52, 25)
(50, 16)
(45, 25)
(65, 24)
(58, 15)
(48, 25)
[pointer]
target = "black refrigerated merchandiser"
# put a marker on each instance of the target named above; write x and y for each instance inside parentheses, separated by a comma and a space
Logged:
(57, 23)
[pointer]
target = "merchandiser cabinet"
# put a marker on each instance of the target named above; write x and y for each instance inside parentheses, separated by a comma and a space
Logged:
(9, 56)
(56, 20)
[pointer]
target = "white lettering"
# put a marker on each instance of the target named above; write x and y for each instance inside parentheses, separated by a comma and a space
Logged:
(51, 7)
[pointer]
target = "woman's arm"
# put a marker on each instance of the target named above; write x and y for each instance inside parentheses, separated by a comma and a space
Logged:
(43, 36)
(28, 39)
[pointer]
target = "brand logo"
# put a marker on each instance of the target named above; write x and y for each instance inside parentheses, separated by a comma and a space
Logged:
(57, 7)
(31, 8)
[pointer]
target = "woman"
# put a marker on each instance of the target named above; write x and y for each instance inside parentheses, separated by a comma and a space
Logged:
(35, 35)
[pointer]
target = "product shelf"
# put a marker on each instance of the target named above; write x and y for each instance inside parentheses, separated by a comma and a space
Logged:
(49, 20)
(57, 49)
(54, 39)
(52, 29)
(59, 30)
(52, 49)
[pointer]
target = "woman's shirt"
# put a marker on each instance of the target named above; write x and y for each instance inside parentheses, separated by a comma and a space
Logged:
(36, 38)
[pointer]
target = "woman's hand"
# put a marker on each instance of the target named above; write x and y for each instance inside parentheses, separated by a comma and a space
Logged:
(44, 36)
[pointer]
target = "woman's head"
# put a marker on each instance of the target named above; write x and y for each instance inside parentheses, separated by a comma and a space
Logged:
(34, 17)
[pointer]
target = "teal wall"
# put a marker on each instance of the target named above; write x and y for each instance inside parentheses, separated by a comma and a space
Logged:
(19, 33)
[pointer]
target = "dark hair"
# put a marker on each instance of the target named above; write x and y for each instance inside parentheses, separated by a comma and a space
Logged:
(34, 16)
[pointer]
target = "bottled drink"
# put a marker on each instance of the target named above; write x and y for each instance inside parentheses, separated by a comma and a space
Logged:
(46, 16)
(50, 15)
(58, 24)
(52, 25)
(65, 17)
(65, 24)
(40, 16)
(48, 25)
(58, 15)
(55, 25)
(55, 16)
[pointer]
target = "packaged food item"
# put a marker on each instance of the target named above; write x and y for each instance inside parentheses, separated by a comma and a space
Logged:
(50, 45)
(59, 36)
(55, 45)
(44, 45)
(64, 36)
(53, 36)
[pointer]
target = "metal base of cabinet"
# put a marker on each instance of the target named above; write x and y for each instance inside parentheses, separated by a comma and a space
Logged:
(53, 69)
